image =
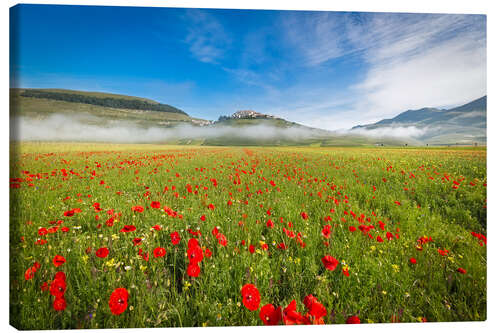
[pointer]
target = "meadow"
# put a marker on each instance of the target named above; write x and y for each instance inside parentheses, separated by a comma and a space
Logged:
(115, 236)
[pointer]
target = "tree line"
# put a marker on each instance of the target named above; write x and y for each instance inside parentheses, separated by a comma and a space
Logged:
(111, 102)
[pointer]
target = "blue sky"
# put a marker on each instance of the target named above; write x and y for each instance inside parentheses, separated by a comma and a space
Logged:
(330, 70)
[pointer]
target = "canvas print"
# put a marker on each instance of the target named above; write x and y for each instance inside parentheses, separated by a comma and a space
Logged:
(184, 167)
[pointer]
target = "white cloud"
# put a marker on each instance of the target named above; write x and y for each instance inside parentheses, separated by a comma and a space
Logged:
(411, 60)
(207, 38)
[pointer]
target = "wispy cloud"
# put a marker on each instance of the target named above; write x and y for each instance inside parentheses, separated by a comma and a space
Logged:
(206, 36)
(409, 61)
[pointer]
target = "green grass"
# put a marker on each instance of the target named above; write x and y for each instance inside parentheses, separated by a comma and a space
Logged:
(382, 287)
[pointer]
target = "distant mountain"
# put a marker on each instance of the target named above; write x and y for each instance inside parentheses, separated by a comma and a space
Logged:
(462, 124)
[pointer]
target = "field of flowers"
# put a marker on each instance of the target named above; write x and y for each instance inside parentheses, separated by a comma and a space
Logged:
(109, 236)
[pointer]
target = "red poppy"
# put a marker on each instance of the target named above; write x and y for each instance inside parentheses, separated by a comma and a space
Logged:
(128, 228)
(118, 301)
(221, 239)
(304, 215)
(290, 314)
(58, 260)
(69, 213)
(413, 261)
(137, 241)
(159, 252)
(379, 239)
(138, 209)
(353, 320)
(443, 252)
(208, 253)
(309, 300)
(193, 242)
(352, 229)
(60, 276)
(251, 297)
(195, 254)
(211, 206)
(251, 249)
(327, 230)
(330, 262)
(30, 273)
(44, 286)
(58, 288)
(461, 270)
(317, 310)
(64, 229)
(42, 231)
(270, 315)
(193, 269)
(59, 304)
(175, 238)
(102, 252)
(155, 204)
(203, 218)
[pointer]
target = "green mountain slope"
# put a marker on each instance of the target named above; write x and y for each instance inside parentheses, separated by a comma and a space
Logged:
(41, 103)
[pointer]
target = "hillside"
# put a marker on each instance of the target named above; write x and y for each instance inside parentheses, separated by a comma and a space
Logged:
(465, 124)
(95, 107)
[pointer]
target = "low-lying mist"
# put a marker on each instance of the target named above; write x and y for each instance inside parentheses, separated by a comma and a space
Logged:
(88, 128)
(59, 127)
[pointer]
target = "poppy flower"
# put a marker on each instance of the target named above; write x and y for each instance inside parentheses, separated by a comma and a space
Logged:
(327, 230)
(102, 252)
(251, 297)
(352, 229)
(309, 300)
(195, 254)
(175, 238)
(42, 231)
(156, 227)
(379, 239)
(58, 260)
(60, 276)
(159, 252)
(69, 213)
(155, 204)
(270, 315)
(58, 288)
(128, 228)
(330, 262)
(413, 261)
(29, 274)
(353, 320)
(44, 286)
(461, 270)
(304, 215)
(290, 315)
(203, 218)
(221, 239)
(59, 304)
(251, 249)
(193, 242)
(317, 310)
(118, 301)
(137, 241)
(208, 253)
(193, 269)
(211, 207)
(138, 209)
